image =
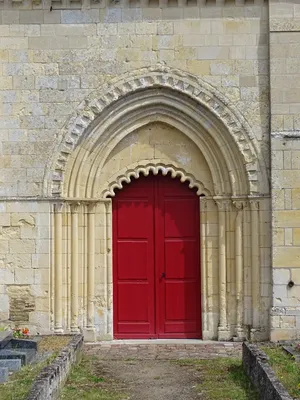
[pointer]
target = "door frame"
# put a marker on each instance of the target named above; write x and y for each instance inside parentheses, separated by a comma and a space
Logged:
(202, 298)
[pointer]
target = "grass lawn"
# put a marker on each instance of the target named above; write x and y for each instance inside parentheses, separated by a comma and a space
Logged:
(19, 384)
(85, 383)
(285, 367)
(222, 379)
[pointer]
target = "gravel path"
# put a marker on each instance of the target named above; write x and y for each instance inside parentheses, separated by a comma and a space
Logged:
(151, 379)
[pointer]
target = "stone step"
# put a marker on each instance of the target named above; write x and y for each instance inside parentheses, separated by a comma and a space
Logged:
(26, 355)
(3, 375)
(12, 365)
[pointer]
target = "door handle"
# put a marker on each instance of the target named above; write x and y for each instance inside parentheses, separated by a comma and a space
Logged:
(163, 275)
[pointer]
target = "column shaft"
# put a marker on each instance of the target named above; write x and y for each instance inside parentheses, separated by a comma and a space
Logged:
(203, 242)
(239, 271)
(74, 268)
(58, 268)
(255, 265)
(222, 271)
(91, 267)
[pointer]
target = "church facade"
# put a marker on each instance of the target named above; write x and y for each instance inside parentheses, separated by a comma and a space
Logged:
(150, 168)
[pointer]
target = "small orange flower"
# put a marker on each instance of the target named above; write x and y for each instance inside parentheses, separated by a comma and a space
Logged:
(25, 331)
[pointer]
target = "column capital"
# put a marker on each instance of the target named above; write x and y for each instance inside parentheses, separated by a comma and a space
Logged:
(223, 205)
(254, 205)
(75, 206)
(90, 206)
(240, 204)
(58, 207)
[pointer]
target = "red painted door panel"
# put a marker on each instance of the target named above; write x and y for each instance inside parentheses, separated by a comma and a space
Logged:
(156, 260)
(133, 236)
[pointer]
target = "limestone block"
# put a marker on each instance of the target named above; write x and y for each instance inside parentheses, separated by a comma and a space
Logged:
(213, 53)
(52, 17)
(41, 321)
(24, 276)
(41, 276)
(80, 16)
(10, 232)
(145, 28)
(23, 82)
(283, 334)
(288, 322)
(31, 16)
(22, 246)
(5, 82)
(286, 257)
(295, 275)
(281, 276)
(42, 304)
(13, 43)
(41, 260)
(4, 219)
(4, 246)
(165, 28)
(42, 246)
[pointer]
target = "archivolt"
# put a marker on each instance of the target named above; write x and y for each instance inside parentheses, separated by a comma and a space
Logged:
(117, 183)
(98, 106)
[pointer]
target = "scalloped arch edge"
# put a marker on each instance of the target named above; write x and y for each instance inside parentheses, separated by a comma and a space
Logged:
(155, 169)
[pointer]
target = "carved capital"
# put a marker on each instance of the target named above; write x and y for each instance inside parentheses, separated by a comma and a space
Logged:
(91, 207)
(223, 205)
(58, 207)
(75, 207)
(254, 205)
(240, 204)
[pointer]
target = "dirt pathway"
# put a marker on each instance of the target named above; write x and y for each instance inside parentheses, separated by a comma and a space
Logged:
(150, 379)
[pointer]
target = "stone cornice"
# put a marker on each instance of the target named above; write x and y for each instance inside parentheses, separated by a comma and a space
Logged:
(130, 5)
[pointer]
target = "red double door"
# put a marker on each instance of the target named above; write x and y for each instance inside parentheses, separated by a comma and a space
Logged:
(156, 266)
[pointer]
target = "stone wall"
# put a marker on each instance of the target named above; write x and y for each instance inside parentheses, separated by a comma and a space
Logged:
(285, 134)
(53, 64)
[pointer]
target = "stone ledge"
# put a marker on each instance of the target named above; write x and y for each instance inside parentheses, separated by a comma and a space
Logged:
(255, 363)
(49, 382)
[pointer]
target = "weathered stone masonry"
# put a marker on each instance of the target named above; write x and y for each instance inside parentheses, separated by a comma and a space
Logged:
(93, 95)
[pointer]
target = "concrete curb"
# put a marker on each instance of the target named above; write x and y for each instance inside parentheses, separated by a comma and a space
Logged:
(255, 363)
(49, 382)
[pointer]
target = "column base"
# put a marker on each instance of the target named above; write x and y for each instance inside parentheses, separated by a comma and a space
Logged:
(239, 335)
(258, 335)
(58, 331)
(207, 335)
(89, 334)
(75, 330)
(224, 334)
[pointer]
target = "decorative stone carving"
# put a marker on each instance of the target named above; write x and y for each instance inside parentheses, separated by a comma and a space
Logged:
(155, 169)
(161, 77)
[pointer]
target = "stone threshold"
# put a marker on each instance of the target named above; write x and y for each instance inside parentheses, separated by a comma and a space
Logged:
(135, 342)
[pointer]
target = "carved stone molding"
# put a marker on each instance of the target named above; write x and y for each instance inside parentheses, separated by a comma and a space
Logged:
(223, 205)
(254, 205)
(58, 207)
(75, 207)
(155, 169)
(75, 5)
(239, 204)
(155, 77)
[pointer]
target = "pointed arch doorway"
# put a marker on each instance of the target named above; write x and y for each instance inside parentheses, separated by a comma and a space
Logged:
(156, 260)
